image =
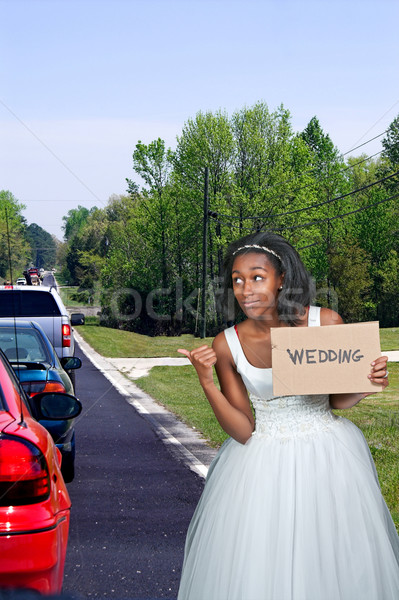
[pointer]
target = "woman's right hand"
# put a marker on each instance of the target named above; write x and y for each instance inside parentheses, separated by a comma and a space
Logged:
(203, 359)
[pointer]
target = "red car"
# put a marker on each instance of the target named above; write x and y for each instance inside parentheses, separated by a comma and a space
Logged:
(34, 502)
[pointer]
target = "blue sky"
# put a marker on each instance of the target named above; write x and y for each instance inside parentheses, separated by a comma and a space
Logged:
(83, 80)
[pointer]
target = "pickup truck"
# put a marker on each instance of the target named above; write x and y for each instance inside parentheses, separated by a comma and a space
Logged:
(44, 306)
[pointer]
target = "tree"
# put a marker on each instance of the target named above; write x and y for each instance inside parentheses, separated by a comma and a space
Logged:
(74, 224)
(152, 163)
(388, 298)
(331, 186)
(391, 143)
(349, 272)
(43, 246)
(75, 220)
(206, 141)
(14, 247)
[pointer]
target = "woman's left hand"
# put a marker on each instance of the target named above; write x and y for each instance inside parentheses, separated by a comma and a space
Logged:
(379, 372)
(378, 375)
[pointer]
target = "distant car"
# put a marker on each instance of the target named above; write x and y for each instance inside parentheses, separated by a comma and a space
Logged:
(33, 271)
(20, 281)
(39, 370)
(35, 279)
(34, 502)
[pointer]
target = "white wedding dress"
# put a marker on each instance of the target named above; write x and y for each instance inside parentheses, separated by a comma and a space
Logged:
(294, 514)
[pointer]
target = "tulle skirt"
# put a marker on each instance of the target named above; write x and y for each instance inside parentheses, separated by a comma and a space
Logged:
(292, 519)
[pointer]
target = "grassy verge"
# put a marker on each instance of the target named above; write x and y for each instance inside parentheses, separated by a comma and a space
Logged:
(116, 343)
(70, 296)
(389, 338)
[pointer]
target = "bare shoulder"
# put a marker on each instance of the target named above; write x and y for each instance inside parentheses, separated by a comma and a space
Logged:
(330, 317)
(220, 344)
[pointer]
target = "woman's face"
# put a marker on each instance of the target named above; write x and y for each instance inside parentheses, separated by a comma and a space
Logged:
(256, 284)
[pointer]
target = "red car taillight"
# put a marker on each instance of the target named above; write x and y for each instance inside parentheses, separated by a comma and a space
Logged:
(37, 387)
(24, 475)
(66, 335)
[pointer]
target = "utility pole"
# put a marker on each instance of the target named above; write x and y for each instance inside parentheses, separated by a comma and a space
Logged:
(204, 254)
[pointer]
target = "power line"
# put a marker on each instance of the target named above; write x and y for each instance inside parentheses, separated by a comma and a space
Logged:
(317, 222)
(302, 188)
(312, 206)
(380, 119)
(51, 151)
(310, 171)
(364, 143)
(328, 219)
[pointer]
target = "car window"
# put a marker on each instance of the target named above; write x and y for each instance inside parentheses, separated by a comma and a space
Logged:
(27, 304)
(26, 345)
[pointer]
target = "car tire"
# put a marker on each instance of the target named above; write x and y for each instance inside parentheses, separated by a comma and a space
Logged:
(68, 469)
(72, 377)
(68, 462)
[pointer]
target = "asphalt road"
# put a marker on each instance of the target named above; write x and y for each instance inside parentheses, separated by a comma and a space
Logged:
(132, 500)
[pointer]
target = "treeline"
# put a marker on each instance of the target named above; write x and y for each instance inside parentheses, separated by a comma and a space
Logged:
(145, 248)
(22, 245)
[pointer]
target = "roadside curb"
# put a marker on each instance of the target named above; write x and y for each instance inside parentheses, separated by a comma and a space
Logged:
(185, 443)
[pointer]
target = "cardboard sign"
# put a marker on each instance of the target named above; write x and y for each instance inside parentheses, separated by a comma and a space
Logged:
(332, 359)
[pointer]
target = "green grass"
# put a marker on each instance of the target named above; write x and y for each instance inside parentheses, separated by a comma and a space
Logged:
(178, 389)
(67, 292)
(389, 338)
(115, 343)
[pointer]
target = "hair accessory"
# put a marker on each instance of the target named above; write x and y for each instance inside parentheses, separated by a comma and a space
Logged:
(248, 246)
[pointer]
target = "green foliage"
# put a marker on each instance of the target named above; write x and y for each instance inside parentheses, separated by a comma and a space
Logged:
(43, 245)
(85, 231)
(14, 245)
(349, 268)
(391, 143)
(146, 247)
(75, 220)
(388, 277)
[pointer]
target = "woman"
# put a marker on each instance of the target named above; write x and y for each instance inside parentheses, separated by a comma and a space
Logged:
(291, 509)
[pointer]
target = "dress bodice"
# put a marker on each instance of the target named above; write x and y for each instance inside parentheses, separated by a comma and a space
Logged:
(279, 416)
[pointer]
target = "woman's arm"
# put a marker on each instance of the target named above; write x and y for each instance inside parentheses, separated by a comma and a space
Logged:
(231, 403)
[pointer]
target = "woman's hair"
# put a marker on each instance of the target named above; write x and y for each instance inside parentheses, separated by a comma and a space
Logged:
(298, 287)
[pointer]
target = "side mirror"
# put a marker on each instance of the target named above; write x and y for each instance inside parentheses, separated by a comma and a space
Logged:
(54, 406)
(71, 362)
(77, 319)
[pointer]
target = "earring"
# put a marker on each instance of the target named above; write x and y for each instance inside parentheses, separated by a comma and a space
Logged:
(281, 287)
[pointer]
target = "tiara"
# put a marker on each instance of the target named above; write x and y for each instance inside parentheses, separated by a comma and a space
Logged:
(248, 246)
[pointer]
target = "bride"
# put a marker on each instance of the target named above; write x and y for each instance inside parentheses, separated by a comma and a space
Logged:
(292, 508)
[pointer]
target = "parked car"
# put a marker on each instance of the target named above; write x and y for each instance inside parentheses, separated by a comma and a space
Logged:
(39, 370)
(34, 502)
(21, 281)
(44, 306)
